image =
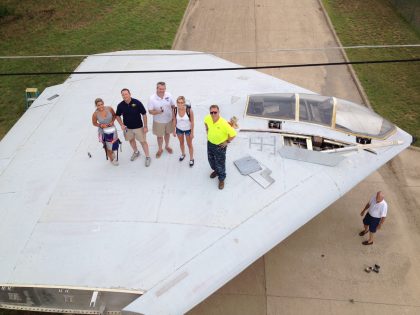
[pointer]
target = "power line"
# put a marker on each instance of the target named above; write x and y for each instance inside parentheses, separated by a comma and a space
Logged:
(213, 53)
(214, 69)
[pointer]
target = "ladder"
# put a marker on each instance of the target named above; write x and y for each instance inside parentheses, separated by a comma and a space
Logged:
(31, 95)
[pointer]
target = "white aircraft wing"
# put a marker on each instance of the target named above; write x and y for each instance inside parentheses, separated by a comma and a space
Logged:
(80, 234)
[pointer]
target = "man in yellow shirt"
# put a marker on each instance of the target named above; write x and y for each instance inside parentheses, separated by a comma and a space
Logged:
(219, 135)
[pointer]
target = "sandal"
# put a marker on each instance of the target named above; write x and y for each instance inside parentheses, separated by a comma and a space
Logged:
(182, 157)
(363, 232)
(367, 243)
(192, 163)
(158, 154)
(169, 149)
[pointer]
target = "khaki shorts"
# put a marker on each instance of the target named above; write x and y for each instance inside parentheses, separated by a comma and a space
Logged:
(160, 129)
(137, 133)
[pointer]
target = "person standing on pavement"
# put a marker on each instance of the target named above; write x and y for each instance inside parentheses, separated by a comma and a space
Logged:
(134, 127)
(375, 217)
(219, 134)
(161, 106)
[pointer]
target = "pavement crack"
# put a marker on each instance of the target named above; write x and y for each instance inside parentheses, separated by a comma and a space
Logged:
(350, 300)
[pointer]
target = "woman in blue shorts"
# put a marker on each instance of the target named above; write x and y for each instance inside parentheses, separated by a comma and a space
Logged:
(183, 121)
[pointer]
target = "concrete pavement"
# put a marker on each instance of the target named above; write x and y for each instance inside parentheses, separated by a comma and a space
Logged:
(319, 268)
(247, 26)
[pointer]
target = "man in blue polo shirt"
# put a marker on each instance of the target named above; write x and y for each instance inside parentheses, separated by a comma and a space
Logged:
(134, 127)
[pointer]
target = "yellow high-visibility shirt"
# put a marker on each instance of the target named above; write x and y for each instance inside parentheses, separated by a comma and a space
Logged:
(219, 131)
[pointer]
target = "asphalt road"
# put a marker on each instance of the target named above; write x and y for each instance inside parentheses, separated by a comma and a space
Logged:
(319, 269)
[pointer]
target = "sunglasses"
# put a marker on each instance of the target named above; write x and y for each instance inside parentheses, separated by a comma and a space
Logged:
(213, 113)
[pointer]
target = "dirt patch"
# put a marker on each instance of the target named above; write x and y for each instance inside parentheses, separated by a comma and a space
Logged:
(47, 14)
(8, 19)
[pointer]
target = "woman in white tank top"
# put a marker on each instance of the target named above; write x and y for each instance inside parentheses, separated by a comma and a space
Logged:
(183, 121)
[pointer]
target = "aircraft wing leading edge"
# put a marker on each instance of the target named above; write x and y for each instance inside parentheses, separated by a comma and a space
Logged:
(243, 245)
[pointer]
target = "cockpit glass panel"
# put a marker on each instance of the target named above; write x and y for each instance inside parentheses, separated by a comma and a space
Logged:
(272, 106)
(360, 120)
(316, 109)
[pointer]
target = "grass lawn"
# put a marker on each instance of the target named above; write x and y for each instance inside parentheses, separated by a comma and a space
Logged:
(393, 89)
(57, 27)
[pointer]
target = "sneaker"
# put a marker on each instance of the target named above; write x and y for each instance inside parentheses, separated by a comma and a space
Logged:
(213, 174)
(115, 162)
(148, 161)
(182, 157)
(135, 156)
(191, 163)
(221, 184)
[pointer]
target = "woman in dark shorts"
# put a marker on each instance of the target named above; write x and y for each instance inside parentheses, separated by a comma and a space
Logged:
(103, 118)
(183, 121)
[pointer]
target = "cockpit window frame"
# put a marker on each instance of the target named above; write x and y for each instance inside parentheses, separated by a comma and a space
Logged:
(332, 125)
(267, 97)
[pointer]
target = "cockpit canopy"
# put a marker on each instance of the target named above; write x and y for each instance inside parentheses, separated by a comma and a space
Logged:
(328, 111)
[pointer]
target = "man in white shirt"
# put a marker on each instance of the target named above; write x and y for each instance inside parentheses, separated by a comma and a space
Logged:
(161, 106)
(375, 217)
